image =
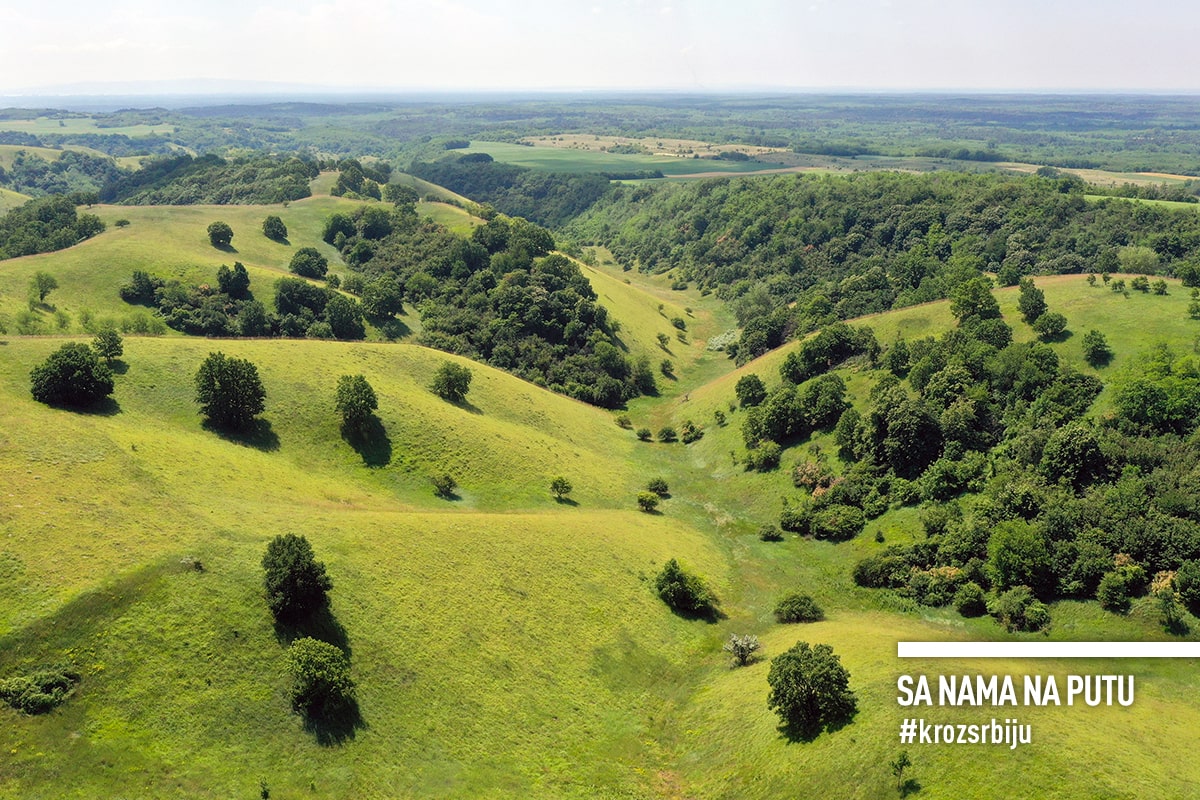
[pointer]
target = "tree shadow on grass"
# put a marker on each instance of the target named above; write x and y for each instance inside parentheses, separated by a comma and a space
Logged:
(466, 405)
(118, 367)
(1057, 338)
(806, 731)
(333, 726)
(371, 442)
(108, 407)
(392, 328)
(321, 625)
(258, 435)
(566, 501)
(908, 787)
(710, 614)
(225, 248)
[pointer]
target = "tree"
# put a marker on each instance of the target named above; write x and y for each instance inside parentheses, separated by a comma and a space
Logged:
(356, 402)
(71, 376)
(1032, 301)
(1187, 583)
(451, 382)
(307, 262)
(667, 434)
(108, 344)
(1019, 556)
(750, 390)
(1072, 454)
(683, 591)
(229, 391)
(898, 766)
(658, 486)
(273, 228)
(810, 689)
(742, 648)
(647, 501)
(1050, 325)
(234, 282)
(41, 285)
(383, 297)
(644, 434)
(220, 234)
(321, 682)
(560, 487)
(1095, 349)
(295, 581)
(974, 298)
(444, 484)
(797, 607)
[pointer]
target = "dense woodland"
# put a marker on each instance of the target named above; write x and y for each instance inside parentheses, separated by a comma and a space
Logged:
(44, 225)
(839, 247)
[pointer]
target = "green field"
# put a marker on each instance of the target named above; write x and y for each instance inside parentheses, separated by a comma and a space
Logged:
(79, 125)
(561, 159)
(504, 645)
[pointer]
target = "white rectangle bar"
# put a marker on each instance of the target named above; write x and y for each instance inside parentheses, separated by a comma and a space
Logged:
(1048, 649)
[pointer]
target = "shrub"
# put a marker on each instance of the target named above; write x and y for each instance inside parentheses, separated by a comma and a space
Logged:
(1095, 349)
(667, 434)
(658, 486)
(690, 432)
(321, 682)
(810, 689)
(220, 234)
(356, 402)
(1118, 587)
(969, 600)
(71, 376)
(683, 591)
(645, 434)
(765, 457)
(798, 607)
(1017, 610)
(229, 391)
(1050, 325)
(838, 522)
(452, 382)
(796, 519)
(444, 484)
(295, 581)
(750, 390)
(1187, 583)
(39, 691)
(742, 648)
(623, 421)
(309, 263)
(108, 344)
(647, 501)
(560, 487)
(770, 533)
(273, 228)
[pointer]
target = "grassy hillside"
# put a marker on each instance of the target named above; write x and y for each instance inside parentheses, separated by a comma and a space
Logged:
(10, 199)
(504, 645)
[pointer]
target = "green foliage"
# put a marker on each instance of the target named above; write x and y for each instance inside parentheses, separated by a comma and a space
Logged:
(742, 648)
(667, 434)
(229, 392)
(1017, 610)
(42, 284)
(644, 434)
(44, 225)
(444, 484)
(356, 402)
(750, 390)
(209, 179)
(970, 600)
(1032, 301)
(1187, 584)
(452, 382)
(837, 522)
(1073, 455)
(1170, 612)
(40, 691)
(108, 344)
(658, 486)
(220, 234)
(320, 673)
(682, 591)
(973, 299)
(810, 690)
(765, 457)
(71, 376)
(295, 582)
(234, 282)
(1017, 555)
(1118, 587)
(797, 607)
(647, 501)
(1096, 351)
(560, 487)
(382, 297)
(770, 533)
(1049, 326)
(308, 262)
(274, 229)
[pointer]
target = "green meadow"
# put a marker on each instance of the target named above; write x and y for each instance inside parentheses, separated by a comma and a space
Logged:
(504, 645)
(562, 159)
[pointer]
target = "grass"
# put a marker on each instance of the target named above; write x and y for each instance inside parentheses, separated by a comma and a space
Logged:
(80, 125)
(560, 159)
(10, 200)
(504, 644)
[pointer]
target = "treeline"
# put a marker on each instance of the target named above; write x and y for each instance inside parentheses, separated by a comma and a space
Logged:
(72, 171)
(45, 224)
(547, 198)
(798, 252)
(209, 179)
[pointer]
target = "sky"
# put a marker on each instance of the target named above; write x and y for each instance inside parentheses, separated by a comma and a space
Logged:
(516, 45)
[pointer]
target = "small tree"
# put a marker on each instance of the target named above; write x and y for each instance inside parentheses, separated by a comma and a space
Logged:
(273, 228)
(307, 262)
(667, 434)
(108, 344)
(295, 581)
(71, 376)
(356, 402)
(234, 282)
(41, 285)
(321, 682)
(1159, 286)
(1187, 583)
(560, 487)
(220, 234)
(898, 766)
(810, 689)
(658, 486)
(444, 484)
(452, 382)
(229, 391)
(644, 434)
(647, 501)
(750, 390)
(742, 648)
(683, 591)
(1050, 325)
(1095, 349)
(797, 607)
(1032, 301)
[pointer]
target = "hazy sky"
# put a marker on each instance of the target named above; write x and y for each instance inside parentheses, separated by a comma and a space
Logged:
(627, 44)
